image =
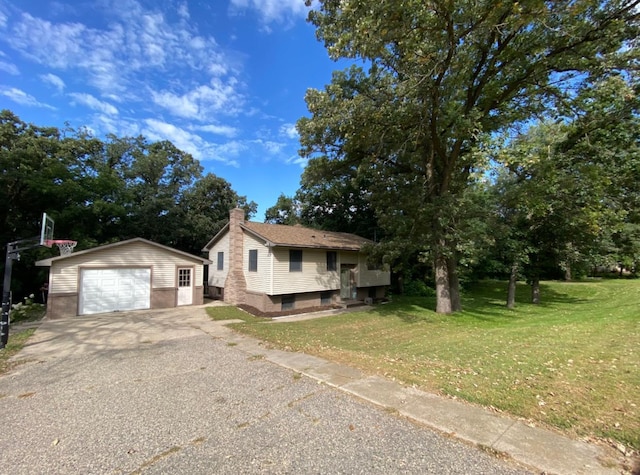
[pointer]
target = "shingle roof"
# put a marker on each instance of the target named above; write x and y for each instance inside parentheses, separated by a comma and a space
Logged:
(299, 236)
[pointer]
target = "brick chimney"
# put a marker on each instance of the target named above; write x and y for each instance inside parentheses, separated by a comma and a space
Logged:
(235, 286)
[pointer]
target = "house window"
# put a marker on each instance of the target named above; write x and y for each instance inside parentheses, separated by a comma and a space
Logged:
(325, 298)
(288, 302)
(295, 260)
(253, 260)
(221, 261)
(332, 261)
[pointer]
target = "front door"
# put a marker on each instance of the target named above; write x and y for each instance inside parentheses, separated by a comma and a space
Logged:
(185, 286)
(345, 282)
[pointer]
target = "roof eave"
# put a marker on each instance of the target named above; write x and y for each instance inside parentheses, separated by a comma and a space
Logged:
(267, 242)
(49, 261)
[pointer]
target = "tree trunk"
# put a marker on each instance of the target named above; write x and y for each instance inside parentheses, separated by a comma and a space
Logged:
(443, 289)
(535, 290)
(567, 273)
(454, 285)
(511, 291)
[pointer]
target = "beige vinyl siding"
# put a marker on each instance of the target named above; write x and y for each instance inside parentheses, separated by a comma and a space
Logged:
(314, 276)
(216, 277)
(259, 281)
(347, 257)
(371, 278)
(64, 274)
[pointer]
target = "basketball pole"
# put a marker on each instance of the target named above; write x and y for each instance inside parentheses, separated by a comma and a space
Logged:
(13, 253)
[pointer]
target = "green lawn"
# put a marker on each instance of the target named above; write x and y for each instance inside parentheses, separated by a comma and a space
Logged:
(14, 345)
(571, 362)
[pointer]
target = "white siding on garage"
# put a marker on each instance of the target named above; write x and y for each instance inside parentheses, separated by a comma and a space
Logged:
(216, 277)
(64, 277)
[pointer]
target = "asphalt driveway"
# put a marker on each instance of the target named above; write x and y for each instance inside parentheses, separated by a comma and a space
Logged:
(160, 392)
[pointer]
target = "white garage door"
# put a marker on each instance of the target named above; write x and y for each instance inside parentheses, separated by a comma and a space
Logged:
(111, 290)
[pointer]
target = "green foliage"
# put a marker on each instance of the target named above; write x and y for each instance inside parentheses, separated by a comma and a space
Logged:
(27, 310)
(418, 288)
(103, 191)
(15, 344)
(564, 195)
(442, 79)
(285, 211)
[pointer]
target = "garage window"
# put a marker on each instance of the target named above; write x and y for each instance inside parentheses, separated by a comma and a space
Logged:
(184, 278)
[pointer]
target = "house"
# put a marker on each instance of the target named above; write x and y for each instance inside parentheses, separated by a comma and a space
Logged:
(276, 268)
(127, 275)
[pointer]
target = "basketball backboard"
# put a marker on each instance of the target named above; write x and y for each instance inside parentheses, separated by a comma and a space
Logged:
(46, 232)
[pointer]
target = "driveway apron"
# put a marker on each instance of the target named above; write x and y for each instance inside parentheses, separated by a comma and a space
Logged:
(161, 392)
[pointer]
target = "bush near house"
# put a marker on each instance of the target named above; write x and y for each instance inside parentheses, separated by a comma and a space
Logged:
(27, 310)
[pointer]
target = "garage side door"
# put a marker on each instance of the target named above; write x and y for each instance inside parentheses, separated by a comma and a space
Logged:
(111, 290)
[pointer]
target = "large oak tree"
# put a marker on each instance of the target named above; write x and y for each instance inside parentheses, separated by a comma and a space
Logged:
(436, 77)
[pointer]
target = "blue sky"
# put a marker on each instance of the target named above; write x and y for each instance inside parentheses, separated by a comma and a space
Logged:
(223, 79)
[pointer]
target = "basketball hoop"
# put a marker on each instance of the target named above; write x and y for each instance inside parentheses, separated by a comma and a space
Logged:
(64, 245)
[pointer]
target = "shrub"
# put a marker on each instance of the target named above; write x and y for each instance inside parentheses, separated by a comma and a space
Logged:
(418, 288)
(27, 311)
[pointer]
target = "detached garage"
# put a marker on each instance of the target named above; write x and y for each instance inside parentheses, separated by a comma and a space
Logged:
(129, 275)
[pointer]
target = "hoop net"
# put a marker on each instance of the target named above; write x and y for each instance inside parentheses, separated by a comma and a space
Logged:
(64, 245)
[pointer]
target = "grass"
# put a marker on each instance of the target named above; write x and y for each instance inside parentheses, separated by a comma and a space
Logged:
(14, 345)
(572, 362)
(231, 313)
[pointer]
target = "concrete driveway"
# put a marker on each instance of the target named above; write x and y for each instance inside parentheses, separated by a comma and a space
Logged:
(163, 392)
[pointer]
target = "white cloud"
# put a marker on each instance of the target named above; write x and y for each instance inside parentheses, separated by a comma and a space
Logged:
(192, 143)
(182, 106)
(20, 97)
(231, 149)
(273, 148)
(54, 80)
(137, 47)
(106, 124)
(224, 130)
(9, 68)
(289, 131)
(271, 11)
(202, 102)
(183, 11)
(93, 103)
(297, 160)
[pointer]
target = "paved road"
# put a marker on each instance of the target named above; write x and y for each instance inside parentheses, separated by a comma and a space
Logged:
(155, 392)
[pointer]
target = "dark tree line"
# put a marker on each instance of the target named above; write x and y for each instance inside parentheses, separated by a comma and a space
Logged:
(100, 191)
